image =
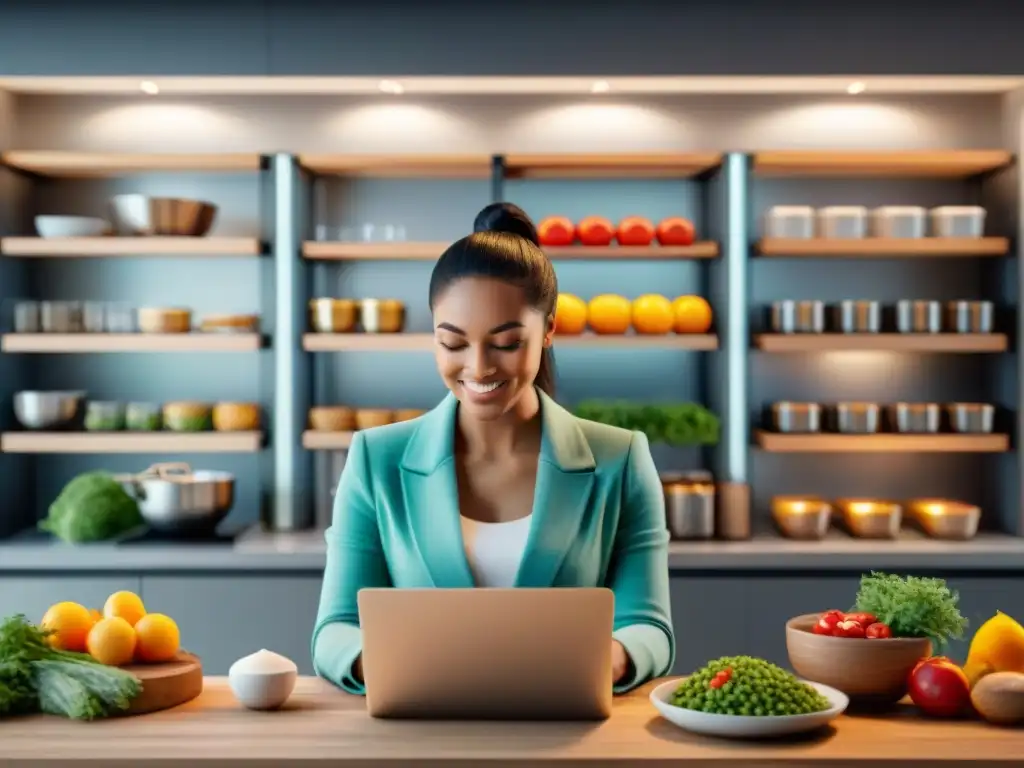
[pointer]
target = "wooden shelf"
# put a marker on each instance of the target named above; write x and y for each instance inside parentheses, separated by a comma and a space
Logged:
(408, 251)
(315, 440)
(101, 164)
(400, 166)
(881, 342)
(775, 442)
(882, 247)
(131, 442)
(413, 342)
(130, 342)
(129, 246)
(611, 166)
(927, 164)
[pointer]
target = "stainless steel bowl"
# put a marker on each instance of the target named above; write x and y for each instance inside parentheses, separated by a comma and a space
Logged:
(971, 418)
(174, 499)
(796, 417)
(45, 410)
(690, 505)
(798, 316)
(144, 215)
(918, 316)
(970, 316)
(914, 418)
(858, 316)
(856, 418)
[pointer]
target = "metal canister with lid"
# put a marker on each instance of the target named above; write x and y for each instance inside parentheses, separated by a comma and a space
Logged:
(690, 504)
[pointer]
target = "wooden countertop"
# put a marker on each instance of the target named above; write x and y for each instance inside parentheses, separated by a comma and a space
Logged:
(323, 725)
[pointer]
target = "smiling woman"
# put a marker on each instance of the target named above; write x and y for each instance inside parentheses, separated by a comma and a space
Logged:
(499, 486)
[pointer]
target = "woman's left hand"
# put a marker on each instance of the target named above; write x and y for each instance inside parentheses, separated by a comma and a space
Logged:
(620, 661)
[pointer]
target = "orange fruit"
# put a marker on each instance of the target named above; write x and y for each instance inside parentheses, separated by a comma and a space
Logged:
(609, 314)
(158, 638)
(96, 615)
(570, 315)
(692, 314)
(125, 605)
(111, 641)
(653, 314)
(69, 623)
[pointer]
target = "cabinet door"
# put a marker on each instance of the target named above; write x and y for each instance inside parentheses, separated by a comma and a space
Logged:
(223, 618)
(32, 595)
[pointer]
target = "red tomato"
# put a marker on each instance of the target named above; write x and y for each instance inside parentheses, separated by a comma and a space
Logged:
(864, 619)
(878, 631)
(556, 231)
(850, 629)
(939, 687)
(676, 231)
(595, 230)
(635, 230)
(826, 623)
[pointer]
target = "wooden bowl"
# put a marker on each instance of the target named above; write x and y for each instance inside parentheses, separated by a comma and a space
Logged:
(164, 320)
(367, 418)
(236, 417)
(868, 671)
(332, 418)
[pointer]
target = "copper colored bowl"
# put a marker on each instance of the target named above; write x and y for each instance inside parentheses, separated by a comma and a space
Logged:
(868, 671)
(332, 418)
(172, 216)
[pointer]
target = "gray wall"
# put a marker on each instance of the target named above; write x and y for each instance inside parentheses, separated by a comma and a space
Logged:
(443, 209)
(570, 37)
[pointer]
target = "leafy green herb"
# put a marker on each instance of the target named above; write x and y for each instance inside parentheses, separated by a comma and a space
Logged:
(37, 678)
(913, 606)
(92, 507)
(677, 424)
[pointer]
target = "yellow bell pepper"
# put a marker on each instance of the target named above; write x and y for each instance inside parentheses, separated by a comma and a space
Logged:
(997, 646)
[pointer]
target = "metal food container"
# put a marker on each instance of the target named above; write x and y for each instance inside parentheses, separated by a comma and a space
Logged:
(858, 316)
(174, 499)
(690, 505)
(45, 410)
(918, 316)
(333, 315)
(791, 316)
(26, 317)
(914, 418)
(871, 519)
(970, 316)
(802, 518)
(61, 316)
(945, 519)
(958, 221)
(794, 222)
(796, 417)
(849, 222)
(898, 221)
(971, 418)
(856, 418)
(382, 315)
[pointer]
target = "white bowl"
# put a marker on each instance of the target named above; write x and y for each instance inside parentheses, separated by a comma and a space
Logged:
(71, 226)
(131, 214)
(263, 680)
(747, 727)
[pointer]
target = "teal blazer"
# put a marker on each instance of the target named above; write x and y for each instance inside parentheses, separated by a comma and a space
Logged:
(598, 520)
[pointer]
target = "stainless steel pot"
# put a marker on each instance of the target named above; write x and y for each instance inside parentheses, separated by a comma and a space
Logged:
(916, 316)
(174, 499)
(45, 410)
(914, 418)
(796, 417)
(971, 418)
(970, 316)
(858, 316)
(798, 316)
(690, 505)
(856, 418)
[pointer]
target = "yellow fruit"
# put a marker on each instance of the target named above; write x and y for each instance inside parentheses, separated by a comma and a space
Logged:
(570, 315)
(997, 646)
(70, 624)
(125, 605)
(112, 641)
(158, 638)
(693, 314)
(609, 314)
(652, 314)
(96, 615)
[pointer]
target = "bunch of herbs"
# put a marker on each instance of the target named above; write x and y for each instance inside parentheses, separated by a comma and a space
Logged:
(913, 606)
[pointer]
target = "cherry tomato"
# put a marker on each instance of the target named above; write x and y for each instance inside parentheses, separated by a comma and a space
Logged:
(849, 628)
(864, 619)
(878, 631)
(826, 624)
(721, 678)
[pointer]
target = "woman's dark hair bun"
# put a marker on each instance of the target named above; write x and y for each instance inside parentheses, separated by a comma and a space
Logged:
(506, 217)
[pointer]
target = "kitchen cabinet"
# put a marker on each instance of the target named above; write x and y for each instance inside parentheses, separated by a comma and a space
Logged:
(33, 595)
(223, 618)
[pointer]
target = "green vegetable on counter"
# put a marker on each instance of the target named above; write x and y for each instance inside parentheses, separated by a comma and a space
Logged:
(744, 685)
(913, 606)
(92, 507)
(37, 678)
(676, 424)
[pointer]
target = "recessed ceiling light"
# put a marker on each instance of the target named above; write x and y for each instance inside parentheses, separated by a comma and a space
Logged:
(600, 86)
(854, 88)
(391, 86)
(148, 86)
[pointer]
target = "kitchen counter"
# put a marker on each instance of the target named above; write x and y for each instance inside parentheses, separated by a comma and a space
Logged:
(261, 551)
(321, 725)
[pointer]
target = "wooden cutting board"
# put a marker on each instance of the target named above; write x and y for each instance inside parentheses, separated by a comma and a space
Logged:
(166, 685)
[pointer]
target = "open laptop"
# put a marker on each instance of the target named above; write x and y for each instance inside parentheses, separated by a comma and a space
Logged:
(487, 654)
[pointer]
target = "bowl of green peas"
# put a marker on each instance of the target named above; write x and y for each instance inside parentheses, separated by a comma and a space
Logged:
(747, 697)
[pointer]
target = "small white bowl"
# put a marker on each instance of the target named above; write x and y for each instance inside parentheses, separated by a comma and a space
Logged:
(71, 226)
(263, 680)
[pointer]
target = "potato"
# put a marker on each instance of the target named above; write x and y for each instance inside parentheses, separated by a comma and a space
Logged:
(999, 698)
